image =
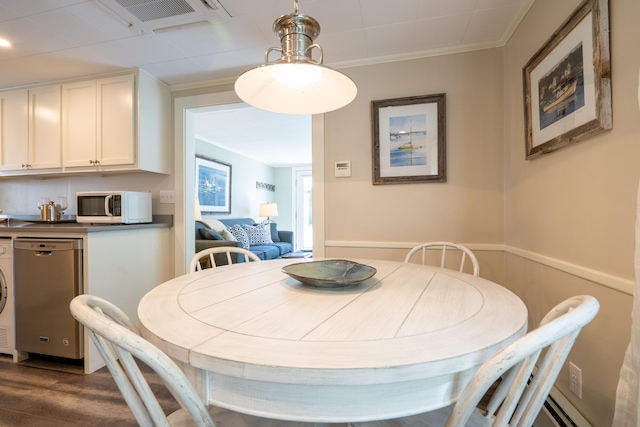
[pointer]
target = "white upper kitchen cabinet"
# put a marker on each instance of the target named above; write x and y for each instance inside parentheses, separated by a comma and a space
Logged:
(116, 123)
(30, 130)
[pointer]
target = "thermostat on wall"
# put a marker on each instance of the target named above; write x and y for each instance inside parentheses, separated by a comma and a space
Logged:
(343, 168)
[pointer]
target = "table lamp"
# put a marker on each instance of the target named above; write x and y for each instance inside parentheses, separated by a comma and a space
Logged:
(268, 210)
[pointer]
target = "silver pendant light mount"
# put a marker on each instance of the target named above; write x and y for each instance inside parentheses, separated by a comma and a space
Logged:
(295, 83)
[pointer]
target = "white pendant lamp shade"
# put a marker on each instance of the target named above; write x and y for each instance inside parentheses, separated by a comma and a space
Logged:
(262, 89)
(295, 83)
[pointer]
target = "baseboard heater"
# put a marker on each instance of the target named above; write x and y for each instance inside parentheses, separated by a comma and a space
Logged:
(559, 412)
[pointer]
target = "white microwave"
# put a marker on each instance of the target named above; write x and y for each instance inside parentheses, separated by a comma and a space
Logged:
(113, 207)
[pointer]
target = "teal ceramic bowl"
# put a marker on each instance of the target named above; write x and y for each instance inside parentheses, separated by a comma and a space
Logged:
(329, 273)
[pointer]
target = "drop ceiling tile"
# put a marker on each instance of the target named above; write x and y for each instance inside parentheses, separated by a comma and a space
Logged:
(440, 32)
(390, 39)
(69, 26)
(488, 4)
(336, 50)
(490, 24)
(193, 41)
(152, 48)
(233, 7)
(335, 16)
(113, 27)
(268, 8)
(30, 7)
(39, 27)
(117, 52)
(237, 61)
(435, 8)
(81, 60)
(239, 33)
(382, 12)
(29, 38)
(176, 72)
(47, 68)
(7, 14)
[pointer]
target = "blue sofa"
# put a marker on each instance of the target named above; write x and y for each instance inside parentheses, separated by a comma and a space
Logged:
(282, 240)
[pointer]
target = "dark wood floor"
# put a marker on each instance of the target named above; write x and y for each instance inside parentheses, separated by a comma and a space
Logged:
(40, 396)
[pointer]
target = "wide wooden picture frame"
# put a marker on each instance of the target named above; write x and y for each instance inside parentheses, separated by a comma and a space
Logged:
(213, 185)
(409, 140)
(567, 83)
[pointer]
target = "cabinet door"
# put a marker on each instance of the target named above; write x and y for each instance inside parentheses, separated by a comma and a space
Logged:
(79, 128)
(14, 130)
(44, 128)
(117, 120)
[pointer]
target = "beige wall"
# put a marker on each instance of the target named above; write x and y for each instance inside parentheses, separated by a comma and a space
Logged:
(575, 208)
(565, 220)
(468, 208)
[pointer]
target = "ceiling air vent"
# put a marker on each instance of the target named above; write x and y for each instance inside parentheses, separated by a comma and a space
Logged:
(157, 15)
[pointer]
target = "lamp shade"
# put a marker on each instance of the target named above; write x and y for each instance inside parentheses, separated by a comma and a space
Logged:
(328, 89)
(268, 209)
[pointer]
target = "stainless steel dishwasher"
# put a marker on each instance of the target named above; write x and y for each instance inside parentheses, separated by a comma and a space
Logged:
(47, 275)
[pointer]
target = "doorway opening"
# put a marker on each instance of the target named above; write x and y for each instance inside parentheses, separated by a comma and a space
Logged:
(185, 109)
(304, 211)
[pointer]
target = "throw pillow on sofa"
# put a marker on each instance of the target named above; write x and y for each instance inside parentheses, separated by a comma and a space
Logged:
(240, 235)
(258, 234)
(219, 228)
(274, 232)
(210, 234)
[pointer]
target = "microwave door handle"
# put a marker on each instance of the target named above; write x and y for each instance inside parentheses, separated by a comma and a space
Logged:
(106, 205)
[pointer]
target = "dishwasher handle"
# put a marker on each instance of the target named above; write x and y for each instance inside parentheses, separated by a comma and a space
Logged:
(42, 253)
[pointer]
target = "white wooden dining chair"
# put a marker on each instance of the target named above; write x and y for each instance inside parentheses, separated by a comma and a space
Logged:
(465, 253)
(519, 397)
(195, 265)
(119, 342)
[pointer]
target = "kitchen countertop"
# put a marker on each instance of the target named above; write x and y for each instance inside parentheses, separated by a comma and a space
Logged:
(10, 223)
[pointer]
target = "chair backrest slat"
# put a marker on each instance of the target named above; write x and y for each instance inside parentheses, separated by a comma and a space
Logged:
(520, 396)
(195, 265)
(443, 247)
(120, 344)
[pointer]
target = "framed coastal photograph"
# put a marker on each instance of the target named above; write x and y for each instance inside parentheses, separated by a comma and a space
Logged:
(567, 83)
(409, 140)
(213, 185)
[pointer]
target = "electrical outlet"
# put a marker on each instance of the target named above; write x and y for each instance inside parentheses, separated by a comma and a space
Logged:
(167, 196)
(575, 380)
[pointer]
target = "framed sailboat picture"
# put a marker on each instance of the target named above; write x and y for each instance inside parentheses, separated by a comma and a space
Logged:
(409, 140)
(567, 83)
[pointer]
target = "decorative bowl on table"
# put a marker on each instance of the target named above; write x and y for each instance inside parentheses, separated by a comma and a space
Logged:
(331, 273)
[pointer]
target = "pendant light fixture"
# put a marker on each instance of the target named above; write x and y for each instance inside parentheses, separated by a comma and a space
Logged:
(295, 83)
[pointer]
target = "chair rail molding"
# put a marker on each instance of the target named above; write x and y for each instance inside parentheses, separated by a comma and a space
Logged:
(605, 279)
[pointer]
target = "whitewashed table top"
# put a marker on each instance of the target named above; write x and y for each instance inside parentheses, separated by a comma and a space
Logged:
(253, 322)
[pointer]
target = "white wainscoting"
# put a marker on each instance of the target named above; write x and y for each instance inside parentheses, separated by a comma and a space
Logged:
(599, 277)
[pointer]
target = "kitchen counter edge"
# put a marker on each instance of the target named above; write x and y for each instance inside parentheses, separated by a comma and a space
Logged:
(158, 221)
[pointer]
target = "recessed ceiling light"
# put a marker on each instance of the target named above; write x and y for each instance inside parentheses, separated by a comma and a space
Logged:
(4, 42)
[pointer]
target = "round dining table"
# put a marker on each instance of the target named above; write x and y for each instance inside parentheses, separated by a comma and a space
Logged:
(404, 341)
